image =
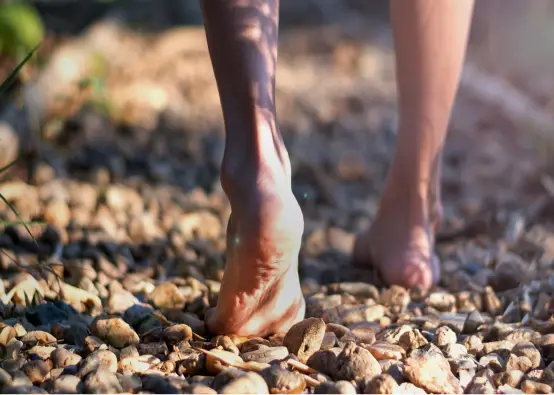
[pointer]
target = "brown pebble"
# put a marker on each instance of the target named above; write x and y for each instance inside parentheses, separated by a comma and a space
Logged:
(282, 381)
(393, 335)
(226, 343)
(518, 363)
(305, 338)
(213, 359)
(345, 387)
(138, 364)
(354, 363)
(37, 370)
(492, 304)
(42, 352)
(39, 338)
(409, 388)
(192, 364)
(412, 340)
(473, 344)
(427, 368)
(265, 354)
(249, 383)
(176, 333)
(114, 331)
(384, 350)
(396, 298)
(444, 335)
(381, 384)
(67, 384)
(152, 348)
(324, 361)
(337, 329)
(329, 341)
(167, 296)
(511, 378)
(492, 361)
(442, 301)
(6, 334)
(100, 358)
(532, 387)
(483, 383)
(365, 333)
(497, 346)
(129, 351)
(548, 374)
(62, 358)
(527, 349)
(253, 344)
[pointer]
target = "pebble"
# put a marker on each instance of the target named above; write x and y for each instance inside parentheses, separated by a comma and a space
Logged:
(265, 354)
(454, 351)
(37, 370)
(167, 296)
(442, 301)
(114, 331)
(102, 381)
(68, 384)
(521, 363)
(412, 340)
(409, 388)
(282, 381)
(138, 364)
(533, 387)
(176, 333)
(512, 378)
(62, 357)
(527, 349)
(305, 338)
(249, 383)
(355, 363)
(384, 350)
(427, 368)
(38, 338)
(381, 384)
(396, 298)
(101, 358)
(444, 336)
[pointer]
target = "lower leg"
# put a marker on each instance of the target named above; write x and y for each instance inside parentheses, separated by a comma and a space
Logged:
(260, 292)
(430, 42)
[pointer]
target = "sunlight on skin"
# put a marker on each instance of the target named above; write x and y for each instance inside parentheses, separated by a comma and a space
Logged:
(260, 292)
(430, 39)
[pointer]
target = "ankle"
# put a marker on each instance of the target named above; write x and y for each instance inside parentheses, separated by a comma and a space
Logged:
(240, 179)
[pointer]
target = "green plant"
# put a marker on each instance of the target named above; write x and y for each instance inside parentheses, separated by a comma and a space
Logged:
(21, 28)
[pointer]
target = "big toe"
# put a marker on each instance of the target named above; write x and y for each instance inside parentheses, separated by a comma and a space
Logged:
(414, 270)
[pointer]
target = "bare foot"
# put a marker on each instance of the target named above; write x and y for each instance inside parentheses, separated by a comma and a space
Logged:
(260, 293)
(399, 244)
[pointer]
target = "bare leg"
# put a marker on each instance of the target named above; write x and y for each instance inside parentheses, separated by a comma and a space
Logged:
(430, 42)
(260, 293)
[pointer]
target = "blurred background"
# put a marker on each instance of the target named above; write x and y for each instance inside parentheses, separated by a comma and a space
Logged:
(122, 92)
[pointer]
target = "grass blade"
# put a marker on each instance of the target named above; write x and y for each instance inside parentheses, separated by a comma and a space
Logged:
(18, 216)
(15, 223)
(3, 169)
(5, 84)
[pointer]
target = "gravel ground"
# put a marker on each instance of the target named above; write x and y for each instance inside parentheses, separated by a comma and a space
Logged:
(111, 296)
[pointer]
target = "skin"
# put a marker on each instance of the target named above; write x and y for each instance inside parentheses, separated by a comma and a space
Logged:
(260, 292)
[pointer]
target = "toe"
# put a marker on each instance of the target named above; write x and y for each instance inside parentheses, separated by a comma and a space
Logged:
(415, 271)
